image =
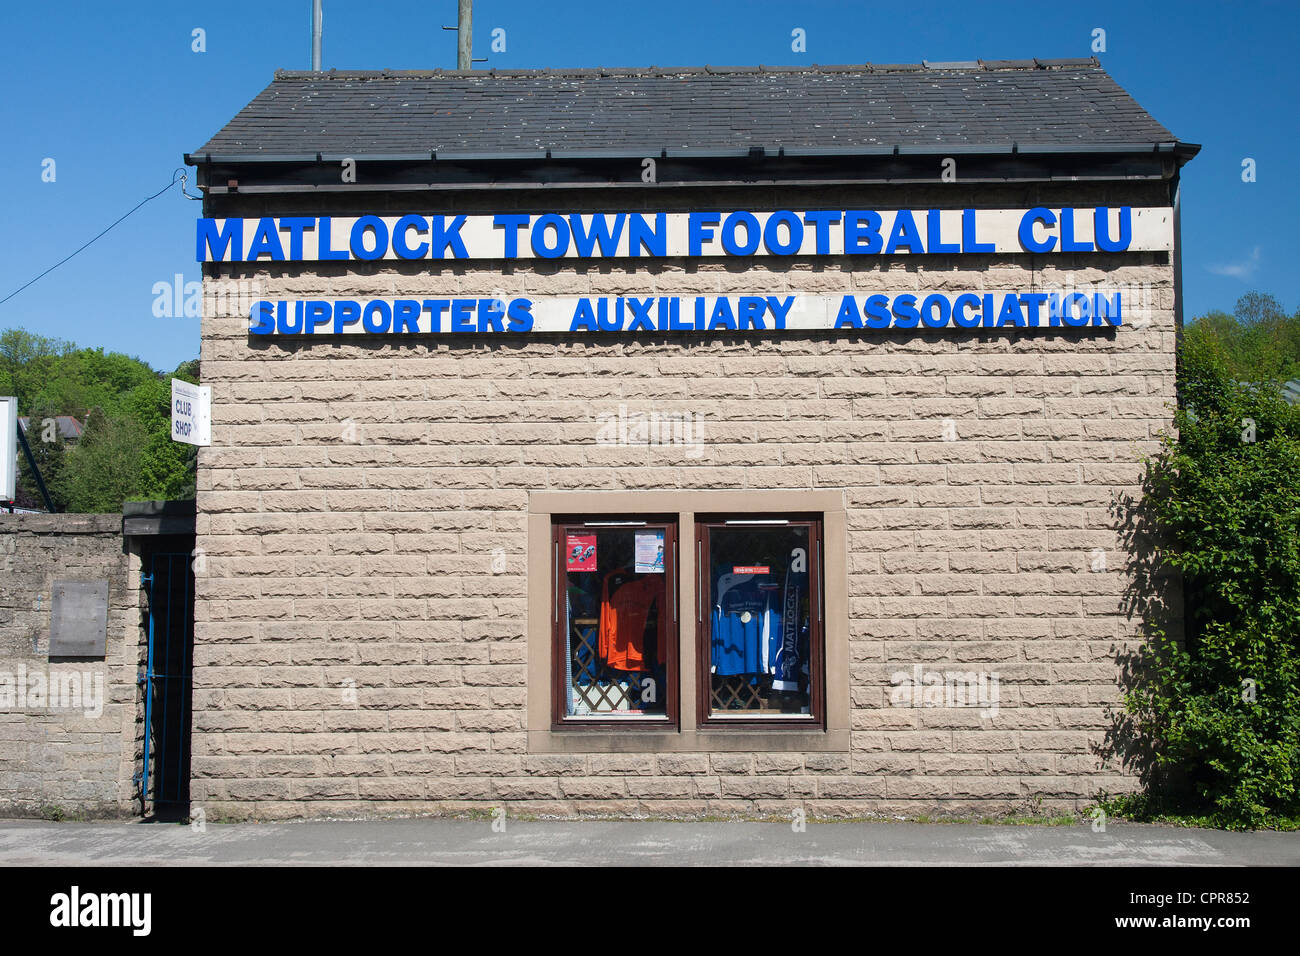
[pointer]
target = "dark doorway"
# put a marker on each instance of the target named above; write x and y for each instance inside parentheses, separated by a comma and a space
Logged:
(167, 579)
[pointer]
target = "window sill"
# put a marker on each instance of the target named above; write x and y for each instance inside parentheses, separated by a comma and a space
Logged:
(648, 739)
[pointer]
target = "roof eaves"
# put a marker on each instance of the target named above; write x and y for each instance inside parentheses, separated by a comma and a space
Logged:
(698, 152)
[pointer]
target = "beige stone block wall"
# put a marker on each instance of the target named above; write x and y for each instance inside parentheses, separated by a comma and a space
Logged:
(67, 760)
(357, 654)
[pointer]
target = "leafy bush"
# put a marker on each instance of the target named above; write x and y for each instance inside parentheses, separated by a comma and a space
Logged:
(1222, 706)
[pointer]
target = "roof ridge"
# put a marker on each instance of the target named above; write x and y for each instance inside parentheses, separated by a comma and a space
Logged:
(950, 66)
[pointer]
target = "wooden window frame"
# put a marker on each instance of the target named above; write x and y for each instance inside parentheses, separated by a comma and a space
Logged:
(670, 721)
(705, 719)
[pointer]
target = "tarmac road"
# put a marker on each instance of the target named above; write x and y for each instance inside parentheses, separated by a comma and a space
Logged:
(600, 843)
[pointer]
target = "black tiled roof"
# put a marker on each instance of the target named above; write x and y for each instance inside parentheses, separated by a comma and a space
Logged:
(1047, 104)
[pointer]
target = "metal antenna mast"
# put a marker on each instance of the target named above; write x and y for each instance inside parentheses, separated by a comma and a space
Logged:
(317, 22)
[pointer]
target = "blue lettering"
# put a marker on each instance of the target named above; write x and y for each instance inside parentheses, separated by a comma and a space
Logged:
(297, 225)
(317, 314)
(969, 241)
(346, 312)
(1101, 229)
(699, 232)
(1068, 242)
(435, 308)
(266, 241)
(1010, 314)
(540, 248)
(877, 311)
(855, 232)
(380, 308)
(1106, 312)
(848, 317)
(511, 223)
(520, 315)
(779, 308)
(1031, 302)
(462, 315)
(600, 233)
(491, 315)
(750, 313)
(1027, 240)
(904, 233)
(264, 318)
(722, 316)
(406, 316)
(421, 226)
(1084, 305)
(934, 234)
(217, 244)
(604, 321)
(771, 234)
(664, 306)
(959, 315)
(323, 248)
(752, 234)
(905, 314)
(927, 309)
(822, 221)
(443, 236)
(584, 317)
(641, 236)
(296, 326)
(675, 322)
(358, 239)
(641, 318)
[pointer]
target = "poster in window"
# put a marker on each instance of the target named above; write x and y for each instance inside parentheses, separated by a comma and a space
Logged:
(580, 551)
(649, 552)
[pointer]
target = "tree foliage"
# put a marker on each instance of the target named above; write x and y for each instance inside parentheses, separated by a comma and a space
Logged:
(125, 453)
(1257, 342)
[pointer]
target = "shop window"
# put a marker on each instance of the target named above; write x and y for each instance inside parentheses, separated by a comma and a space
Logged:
(615, 622)
(759, 620)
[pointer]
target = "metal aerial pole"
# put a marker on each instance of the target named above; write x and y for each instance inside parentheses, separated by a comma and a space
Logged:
(317, 23)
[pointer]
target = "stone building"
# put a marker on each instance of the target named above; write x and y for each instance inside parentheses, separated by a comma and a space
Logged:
(750, 444)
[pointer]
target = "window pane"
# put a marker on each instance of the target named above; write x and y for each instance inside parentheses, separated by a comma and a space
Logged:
(760, 621)
(616, 622)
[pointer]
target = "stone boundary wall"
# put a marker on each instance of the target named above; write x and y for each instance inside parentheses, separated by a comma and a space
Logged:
(58, 760)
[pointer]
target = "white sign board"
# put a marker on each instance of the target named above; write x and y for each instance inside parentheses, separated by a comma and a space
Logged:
(8, 448)
(953, 309)
(191, 413)
(740, 233)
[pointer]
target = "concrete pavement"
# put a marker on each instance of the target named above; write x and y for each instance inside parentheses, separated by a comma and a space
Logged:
(592, 843)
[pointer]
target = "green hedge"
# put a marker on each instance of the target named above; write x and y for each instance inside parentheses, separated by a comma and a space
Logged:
(1218, 706)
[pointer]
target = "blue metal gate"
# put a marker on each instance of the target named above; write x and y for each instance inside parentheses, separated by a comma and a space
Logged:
(164, 776)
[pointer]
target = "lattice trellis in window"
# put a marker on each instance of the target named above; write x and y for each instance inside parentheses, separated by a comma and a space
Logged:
(597, 688)
(739, 693)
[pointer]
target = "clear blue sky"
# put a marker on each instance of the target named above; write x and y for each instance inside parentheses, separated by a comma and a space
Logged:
(113, 93)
